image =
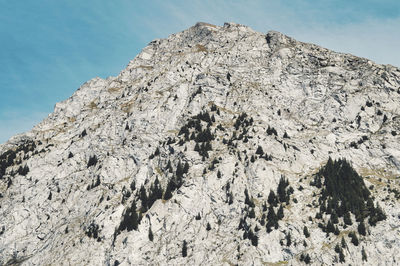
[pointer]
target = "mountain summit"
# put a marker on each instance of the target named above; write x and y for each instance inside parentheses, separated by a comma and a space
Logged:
(217, 146)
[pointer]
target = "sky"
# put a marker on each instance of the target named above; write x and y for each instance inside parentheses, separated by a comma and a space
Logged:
(48, 48)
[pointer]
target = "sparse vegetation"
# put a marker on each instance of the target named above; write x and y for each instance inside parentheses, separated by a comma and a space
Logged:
(306, 232)
(184, 249)
(150, 235)
(343, 191)
(92, 161)
(93, 231)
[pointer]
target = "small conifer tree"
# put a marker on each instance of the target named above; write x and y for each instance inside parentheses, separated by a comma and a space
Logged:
(150, 234)
(306, 232)
(364, 254)
(280, 213)
(361, 228)
(184, 249)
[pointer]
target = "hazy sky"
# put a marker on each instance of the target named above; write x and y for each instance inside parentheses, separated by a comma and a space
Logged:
(49, 48)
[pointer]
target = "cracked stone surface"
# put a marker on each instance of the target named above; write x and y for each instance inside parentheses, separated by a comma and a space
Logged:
(321, 104)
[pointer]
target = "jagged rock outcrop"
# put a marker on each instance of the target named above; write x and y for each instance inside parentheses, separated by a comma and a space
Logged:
(173, 161)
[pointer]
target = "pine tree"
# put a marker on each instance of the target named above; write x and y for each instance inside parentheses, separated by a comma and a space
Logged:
(179, 170)
(192, 136)
(230, 199)
(271, 131)
(343, 243)
(307, 259)
(329, 207)
(252, 213)
(184, 129)
(329, 227)
(370, 206)
(361, 228)
(337, 248)
(157, 191)
(364, 254)
(288, 239)
(280, 214)
(306, 232)
(347, 219)
(334, 217)
(219, 174)
(337, 231)
(341, 256)
(168, 191)
(379, 213)
(84, 133)
(260, 151)
(184, 249)
(340, 209)
(178, 181)
(130, 219)
(241, 224)
(264, 207)
(186, 168)
(247, 200)
(285, 135)
(150, 234)
(143, 199)
(133, 185)
(272, 219)
(169, 167)
(272, 200)
(92, 161)
(208, 146)
(197, 147)
(253, 238)
(281, 191)
(354, 238)
(208, 228)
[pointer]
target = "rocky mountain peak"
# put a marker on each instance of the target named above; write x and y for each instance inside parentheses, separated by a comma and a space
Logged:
(217, 145)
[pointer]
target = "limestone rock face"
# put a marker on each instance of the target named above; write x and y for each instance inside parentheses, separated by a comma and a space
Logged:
(172, 161)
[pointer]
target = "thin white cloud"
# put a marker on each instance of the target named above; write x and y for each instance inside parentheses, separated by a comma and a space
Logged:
(374, 39)
(12, 123)
(371, 37)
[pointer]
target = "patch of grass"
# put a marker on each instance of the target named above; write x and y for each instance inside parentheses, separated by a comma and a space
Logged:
(201, 48)
(126, 107)
(145, 67)
(282, 262)
(379, 173)
(92, 105)
(158, 170)
(112, 90)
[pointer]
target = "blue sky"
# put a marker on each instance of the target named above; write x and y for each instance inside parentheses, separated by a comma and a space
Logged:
(49, 48)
